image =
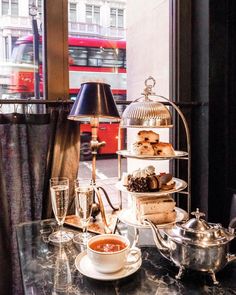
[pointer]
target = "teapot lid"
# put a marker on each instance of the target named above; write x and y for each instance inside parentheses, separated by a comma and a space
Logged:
(197, 231)
(197, 223)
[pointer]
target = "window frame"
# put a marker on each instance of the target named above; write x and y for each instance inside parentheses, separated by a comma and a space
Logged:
(116, 17)
(74, 10)
(92, 19)
(55, 58)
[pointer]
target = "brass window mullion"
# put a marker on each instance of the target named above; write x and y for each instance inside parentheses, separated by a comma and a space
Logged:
(55, 49)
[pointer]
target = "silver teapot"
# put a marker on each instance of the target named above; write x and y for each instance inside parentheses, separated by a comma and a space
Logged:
(195, 245)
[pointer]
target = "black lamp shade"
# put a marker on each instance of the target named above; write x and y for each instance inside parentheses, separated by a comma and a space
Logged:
(94, 100)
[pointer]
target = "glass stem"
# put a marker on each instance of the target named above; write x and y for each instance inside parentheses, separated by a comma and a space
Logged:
(60, 228)
(85, 230)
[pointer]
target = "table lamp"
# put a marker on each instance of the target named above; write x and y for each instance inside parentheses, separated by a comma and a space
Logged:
(95, 103)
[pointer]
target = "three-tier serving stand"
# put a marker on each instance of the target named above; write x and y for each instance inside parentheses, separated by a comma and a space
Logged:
(153, 111)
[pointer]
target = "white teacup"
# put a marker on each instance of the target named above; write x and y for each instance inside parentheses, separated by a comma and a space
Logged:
(110, 252)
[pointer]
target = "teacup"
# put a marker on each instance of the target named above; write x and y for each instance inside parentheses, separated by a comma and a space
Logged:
(110, 252)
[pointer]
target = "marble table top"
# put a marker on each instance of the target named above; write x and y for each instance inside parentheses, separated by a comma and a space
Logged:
(40, 271)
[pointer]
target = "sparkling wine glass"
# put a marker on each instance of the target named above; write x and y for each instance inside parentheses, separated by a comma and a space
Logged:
(83, 203)
(59, 189)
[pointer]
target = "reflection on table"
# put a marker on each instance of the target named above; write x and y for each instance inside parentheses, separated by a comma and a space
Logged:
(47, 268)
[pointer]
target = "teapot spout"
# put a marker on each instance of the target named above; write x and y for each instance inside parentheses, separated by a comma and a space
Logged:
(160, 242)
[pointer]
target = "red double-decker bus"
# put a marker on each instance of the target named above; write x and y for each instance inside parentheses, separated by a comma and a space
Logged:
(90, 59)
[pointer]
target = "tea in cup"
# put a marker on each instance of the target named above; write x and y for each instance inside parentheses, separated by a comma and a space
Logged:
(110, 252)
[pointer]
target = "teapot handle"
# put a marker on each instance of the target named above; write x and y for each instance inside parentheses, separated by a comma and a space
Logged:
(230, 257)
(232, 225)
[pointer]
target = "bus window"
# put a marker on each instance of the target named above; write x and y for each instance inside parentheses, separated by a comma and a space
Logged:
(28, 54)
(106, 57)
(97, 57)
(113, 58)
(23, 53)
(79, 55)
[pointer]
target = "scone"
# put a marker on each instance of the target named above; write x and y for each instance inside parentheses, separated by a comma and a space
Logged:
(148, 136)
(142, 148)
(163, 149)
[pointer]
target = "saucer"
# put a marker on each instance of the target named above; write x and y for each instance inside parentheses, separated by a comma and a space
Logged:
(85, 266)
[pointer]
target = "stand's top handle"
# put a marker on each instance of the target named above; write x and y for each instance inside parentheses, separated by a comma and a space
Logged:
(148, 87)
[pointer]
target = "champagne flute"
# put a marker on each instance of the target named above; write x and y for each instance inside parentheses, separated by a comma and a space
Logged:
(59, 188)
(83, 203)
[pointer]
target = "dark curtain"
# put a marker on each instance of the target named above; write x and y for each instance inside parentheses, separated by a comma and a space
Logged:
(63, 155)
(34, 147)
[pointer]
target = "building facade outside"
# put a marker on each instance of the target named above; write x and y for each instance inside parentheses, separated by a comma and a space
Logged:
(149, 44)
(92, 18)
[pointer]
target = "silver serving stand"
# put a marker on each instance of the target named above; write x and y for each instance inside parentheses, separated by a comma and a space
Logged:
(139, 108)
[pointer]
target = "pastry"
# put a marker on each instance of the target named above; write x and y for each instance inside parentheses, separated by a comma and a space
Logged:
(148, 144)
(124, 179)
(157, 209)
(166, 181)
(163, 149)
(137, 181)
(153, 183)
(150, 205)
(142, 148)
(137, 184)
(148, 136)
(160, 218)
(145, 180)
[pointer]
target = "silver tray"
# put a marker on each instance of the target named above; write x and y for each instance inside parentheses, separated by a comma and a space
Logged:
(179, 186)
(129, 154)
(127, 216)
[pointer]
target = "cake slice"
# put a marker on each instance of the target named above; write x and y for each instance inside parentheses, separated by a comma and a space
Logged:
(157, 209)
(160, 218)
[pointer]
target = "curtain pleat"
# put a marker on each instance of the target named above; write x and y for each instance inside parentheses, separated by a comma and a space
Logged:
(5, 260)
(63, 156)
(33, 149)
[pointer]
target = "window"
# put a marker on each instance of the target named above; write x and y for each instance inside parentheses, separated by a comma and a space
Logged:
(92, 14)
(13, 41)
(39, 4)
(14, 7)
(24, 53)
(72, 12)
(78, 56)
(6, 43)
(5, 7)
(117, 18)
(97, 57)
(10, 7)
